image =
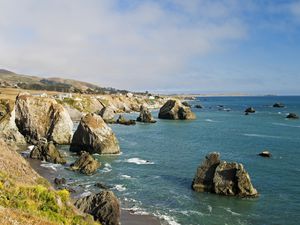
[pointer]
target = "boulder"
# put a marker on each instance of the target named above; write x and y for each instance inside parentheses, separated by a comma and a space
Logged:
(265, 154)
(74, 113)
(47, 151)
(198, 106)
(85, 164)
(203, 180)
(103, 206)
(145, 115)
(8, 129)
(292, 116)
(278, 105)
(250, 110)
(123, 121)
(59, 181)
(174, 110)
(107, 114)
(186, 104)
(94, 136)
(38, 118)
(223, 178)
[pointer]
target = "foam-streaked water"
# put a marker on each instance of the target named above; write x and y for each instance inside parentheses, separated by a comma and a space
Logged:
(155, 171)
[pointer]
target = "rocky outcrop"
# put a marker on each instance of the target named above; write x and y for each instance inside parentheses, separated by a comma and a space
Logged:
(266, 154)
(203, 180)
(174, 110)
(38, 118)
(223, 178)
(145, 115)
(233, 180)
(278, 105)
(186, 104)
(250, 110)
(198, 106)
(292, 116)
(108, 114)
(85, 164)
(74, 113)
(104, 207)
(8, 129)
(123, 121)
(47, 151)
(94, 136)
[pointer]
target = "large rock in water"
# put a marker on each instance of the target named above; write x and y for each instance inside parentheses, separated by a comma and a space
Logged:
(107, 114)
(48, 152)
(38, 118)
(85, 164)
(203, 180)
(8, 128)
(174, 110)
(103, 206)
(223, 178)
(232, 179)
(94, 136)
(145, 115)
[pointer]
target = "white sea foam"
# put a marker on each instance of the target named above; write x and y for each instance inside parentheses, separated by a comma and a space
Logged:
(136, 210)
(120, 187)
(86, 193)
(30, 147)
(209, 208)
(169, 219)
(107, 168)
(138, 161)
(285, 125)
(126, 176)
(262, 136)
(51, 166)
(211, 121)
(233, 213)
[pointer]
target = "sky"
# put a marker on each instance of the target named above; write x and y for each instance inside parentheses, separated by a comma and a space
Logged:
(168, 46)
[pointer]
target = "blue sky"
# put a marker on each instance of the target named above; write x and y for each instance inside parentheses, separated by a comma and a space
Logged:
(193, 46)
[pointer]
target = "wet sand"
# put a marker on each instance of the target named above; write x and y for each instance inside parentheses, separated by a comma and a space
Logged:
(127, 217)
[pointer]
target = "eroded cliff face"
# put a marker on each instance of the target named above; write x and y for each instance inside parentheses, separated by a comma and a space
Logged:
(38, 118)
(8, 129)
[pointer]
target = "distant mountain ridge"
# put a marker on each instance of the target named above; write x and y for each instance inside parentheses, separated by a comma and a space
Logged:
(11, 79)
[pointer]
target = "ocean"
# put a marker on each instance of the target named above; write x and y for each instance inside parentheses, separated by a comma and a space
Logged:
(153, 175)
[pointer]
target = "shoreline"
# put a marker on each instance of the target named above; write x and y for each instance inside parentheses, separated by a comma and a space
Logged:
(127, 217)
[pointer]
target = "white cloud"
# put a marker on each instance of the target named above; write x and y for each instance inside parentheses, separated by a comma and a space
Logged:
(142, 46)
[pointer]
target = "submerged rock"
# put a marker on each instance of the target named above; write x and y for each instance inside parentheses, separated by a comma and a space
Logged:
(39, 118)
(198, 106)
(250, 110)
(86, 164)
(59, 181)
(94, 136)
(145, 115)
(278, 105)
(174, 110)
(123, 121)
(265, 154)
(223, 178)
(48, 152)
(104, 207)
(203, 180)
(292, 116)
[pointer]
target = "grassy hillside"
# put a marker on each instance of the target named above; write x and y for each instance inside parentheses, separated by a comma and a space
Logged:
(11, 79)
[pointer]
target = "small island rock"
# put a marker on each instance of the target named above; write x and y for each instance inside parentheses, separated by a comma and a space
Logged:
(265, 154)
(174, 110)
(145, 115)
(123, 121)
(85, 164)
(250, 110)
(278, 105)
(94, 136)
(292, 116)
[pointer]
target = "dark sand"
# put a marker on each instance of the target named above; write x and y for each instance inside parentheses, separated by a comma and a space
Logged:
(127, 217)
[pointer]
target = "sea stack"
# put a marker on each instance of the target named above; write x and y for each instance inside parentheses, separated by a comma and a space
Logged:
(224, 178)
(145, 115)
(175, 110)
(94, 136)
(38, 117)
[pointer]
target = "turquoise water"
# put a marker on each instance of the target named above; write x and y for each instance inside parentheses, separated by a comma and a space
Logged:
(158, 162)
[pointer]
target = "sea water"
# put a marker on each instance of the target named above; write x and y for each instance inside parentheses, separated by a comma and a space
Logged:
(153, 175)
